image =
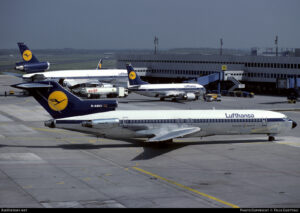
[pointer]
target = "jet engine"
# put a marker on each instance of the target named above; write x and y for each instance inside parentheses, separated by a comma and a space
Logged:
(101, 123)
(32, 67)
(190, 96)
(50, 123)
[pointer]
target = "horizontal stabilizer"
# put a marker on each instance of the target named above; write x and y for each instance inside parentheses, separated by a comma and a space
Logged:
(35, 77)
(31, 86)
(174, 134)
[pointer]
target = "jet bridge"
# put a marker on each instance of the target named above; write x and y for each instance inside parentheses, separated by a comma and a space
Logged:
(293, 88)
(293, 83)
(234, 76)
(207, 79)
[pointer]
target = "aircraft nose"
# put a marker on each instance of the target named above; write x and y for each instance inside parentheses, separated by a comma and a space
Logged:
(294, 124)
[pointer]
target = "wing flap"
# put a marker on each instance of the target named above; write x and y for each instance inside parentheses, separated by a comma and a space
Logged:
(167, 135)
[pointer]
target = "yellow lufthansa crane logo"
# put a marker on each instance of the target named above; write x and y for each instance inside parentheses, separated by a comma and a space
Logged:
(224, 67)
(57, 101)
(27, 55)
(132, 75)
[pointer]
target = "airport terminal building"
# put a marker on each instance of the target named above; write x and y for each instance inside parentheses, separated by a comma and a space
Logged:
(260, 74)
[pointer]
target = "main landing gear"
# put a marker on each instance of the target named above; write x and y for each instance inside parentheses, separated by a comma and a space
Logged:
(271, 138)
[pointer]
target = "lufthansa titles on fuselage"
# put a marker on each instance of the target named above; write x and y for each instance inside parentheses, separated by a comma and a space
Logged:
(238, 115)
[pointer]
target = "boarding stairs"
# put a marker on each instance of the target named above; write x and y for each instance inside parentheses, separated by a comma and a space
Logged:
(235, 76)
(236, 85)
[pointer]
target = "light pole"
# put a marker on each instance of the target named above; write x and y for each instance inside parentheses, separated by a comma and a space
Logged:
(155, 44)
(276, 43)
(221, 42)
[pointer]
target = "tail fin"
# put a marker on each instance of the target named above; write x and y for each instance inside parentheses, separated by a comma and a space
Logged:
(99, 66)
(133, 77)
(60, 103)
(26, 54)
(30, 63)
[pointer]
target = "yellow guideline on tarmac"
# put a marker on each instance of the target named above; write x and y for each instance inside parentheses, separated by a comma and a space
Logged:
(186, 187)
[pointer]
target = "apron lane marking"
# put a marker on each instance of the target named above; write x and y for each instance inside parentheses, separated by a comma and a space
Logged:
(186, 187)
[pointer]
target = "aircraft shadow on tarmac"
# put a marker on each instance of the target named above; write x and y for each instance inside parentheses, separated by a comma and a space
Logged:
(278, 102)
(151, 150)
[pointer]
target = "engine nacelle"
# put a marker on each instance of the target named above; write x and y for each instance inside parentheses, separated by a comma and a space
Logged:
(50, 123)
(32, 67)
(190, 96)
(101, 123)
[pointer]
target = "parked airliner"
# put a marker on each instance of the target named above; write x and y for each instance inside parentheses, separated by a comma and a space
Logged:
(71, 113)
(35, 70)
(176, 91)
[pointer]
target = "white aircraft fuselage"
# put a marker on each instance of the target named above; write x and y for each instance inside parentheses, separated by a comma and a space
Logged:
(163, 125)
(176, 91)
(114, 76)
(188, 91)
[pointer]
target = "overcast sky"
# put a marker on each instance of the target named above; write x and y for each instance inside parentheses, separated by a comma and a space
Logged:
(123, 24)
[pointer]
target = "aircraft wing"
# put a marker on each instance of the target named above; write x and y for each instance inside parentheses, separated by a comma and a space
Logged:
(168, 135)
(39, 77)
(133, 87)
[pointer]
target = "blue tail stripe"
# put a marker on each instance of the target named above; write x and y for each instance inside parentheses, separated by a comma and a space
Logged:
(30, 64)
(22, 48)
(133, 77)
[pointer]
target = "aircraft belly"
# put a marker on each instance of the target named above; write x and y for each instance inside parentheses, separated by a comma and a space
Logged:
(79, 128)
(279, 127)
(115, 132)
(119, 132)
(130, 131)
(232, 129)
(149, 94)
(141, 93)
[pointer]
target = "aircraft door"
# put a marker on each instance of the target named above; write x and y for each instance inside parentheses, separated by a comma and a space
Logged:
(125, 122)
(180, 122)
(264, 122)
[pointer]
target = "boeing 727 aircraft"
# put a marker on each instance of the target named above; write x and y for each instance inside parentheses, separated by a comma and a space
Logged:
(71, 113)
(35, 70)
(178, 91)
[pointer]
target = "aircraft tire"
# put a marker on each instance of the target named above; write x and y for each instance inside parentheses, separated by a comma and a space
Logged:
(271, 138)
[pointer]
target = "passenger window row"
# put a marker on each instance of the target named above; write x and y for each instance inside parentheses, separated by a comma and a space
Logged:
(189, 121)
